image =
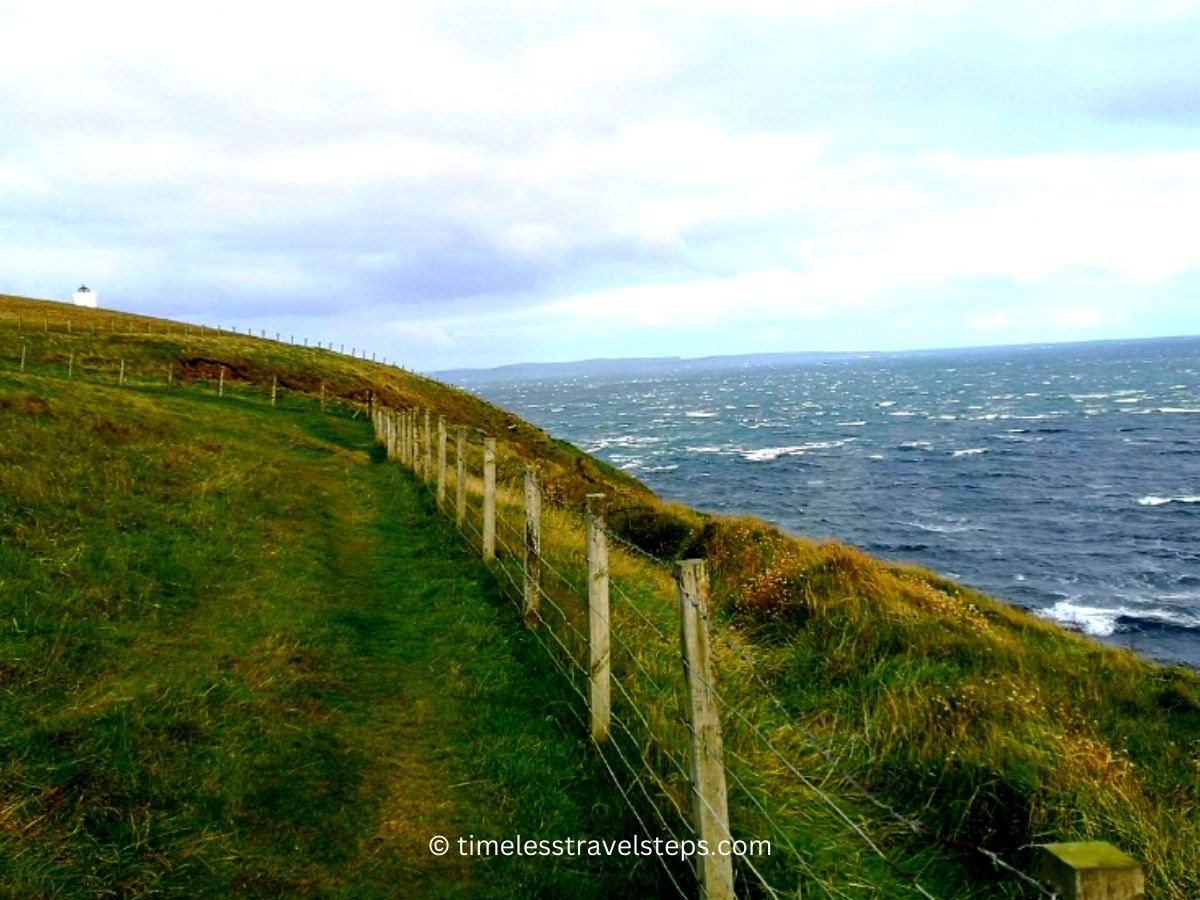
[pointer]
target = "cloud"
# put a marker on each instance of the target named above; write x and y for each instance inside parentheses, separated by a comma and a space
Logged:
(703, 172)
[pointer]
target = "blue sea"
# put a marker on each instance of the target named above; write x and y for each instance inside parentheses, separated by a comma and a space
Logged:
(1064, 479)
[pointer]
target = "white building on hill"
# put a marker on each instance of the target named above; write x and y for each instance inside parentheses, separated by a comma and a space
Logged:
(85, 296)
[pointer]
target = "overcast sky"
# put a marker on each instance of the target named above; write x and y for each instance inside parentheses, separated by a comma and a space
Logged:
(457, 184)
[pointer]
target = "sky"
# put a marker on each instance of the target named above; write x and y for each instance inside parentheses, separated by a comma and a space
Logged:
(472, 184)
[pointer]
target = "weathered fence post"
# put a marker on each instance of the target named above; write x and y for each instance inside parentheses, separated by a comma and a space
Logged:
(599, 656)
(69, 321)
(460, 486)
(533, 546)
(221, 383)
(121, 377)
(23, 348)
(322, 396)
(428, 445)
(417, 453)
(489, 499)
(441, 470)
(406, 438)
(71, 364)
(170, 376)
(274, 388)
(710, 810)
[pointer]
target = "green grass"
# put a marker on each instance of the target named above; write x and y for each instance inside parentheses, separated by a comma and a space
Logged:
(239, 657)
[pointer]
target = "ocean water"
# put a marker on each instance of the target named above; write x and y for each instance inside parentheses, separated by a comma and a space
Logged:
(1064, 479)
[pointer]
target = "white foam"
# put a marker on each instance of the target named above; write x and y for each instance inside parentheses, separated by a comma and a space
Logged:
(971, 451)
(699, 414)
(1162, 501)
(766, 454)
(1102, 621)
(1178, 409)
(852, 424)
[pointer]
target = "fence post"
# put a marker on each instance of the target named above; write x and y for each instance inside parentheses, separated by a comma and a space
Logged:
(533, 546)
(121, 377)
(170, 376)
(70, 364)
(460, 486)
(416, 429)
(274, 388)
(323, 397)
(489, 499)
(710, 810)
(23, 348)
(221, 383)
(402, 426)
(428, 446)
(599, 656)
(441, 470)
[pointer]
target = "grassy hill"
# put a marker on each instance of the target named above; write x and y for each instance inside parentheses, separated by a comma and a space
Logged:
(237, 641)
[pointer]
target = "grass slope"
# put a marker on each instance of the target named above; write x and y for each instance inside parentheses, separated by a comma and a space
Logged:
(239, 658)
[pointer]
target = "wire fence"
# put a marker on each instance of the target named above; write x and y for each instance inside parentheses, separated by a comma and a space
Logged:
(58, 319)
(782, 784)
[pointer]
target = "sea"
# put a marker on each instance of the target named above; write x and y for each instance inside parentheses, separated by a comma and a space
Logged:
(1064, 479)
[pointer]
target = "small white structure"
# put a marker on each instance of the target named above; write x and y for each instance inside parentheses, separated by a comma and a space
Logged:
(85, 296)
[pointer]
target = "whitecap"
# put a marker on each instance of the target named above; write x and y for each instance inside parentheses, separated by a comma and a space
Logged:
(971, 451)
(1162, 501)
(1102, 621)
(699, 414)
(766, 454)
(1178, 409)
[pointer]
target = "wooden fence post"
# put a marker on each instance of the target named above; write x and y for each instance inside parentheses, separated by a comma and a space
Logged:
(489, 499)
(274, 388)
(23, 348)
(428, 446)
(533, 546)
(170, 376)
(441, 470)
(599, 655)
(417, 453)
(121, 377)
(322, 396)
(70, 364)
(221, 383)
(460, 470)
(402, 426)
(710, 810)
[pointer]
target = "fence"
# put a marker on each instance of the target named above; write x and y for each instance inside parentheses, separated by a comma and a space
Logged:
(65, 319)
(59, 351)
(692, 761)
